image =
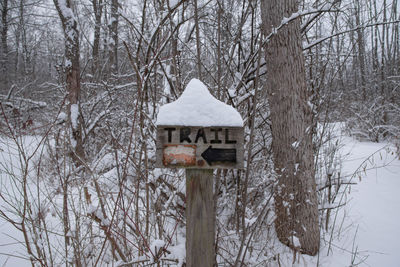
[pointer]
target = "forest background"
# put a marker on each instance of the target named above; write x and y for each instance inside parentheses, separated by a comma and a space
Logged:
(89, 76)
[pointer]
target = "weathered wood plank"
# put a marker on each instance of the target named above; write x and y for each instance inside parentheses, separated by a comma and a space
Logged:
(213, 147)
(200, 218)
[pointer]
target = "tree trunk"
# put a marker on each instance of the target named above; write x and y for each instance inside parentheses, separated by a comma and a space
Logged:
(295, 195)
(198, 47)
(361, 50)
(97, 9)
(72, 69)
(383, 70)
(113, 44)
(4, 47)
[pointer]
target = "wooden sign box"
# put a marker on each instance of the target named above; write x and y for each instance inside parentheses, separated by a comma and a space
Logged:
(199, 147)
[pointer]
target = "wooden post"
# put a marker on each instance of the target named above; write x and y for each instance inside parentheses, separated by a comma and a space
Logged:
(200, 218)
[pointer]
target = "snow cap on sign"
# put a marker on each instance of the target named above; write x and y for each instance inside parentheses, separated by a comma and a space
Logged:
(197, 107)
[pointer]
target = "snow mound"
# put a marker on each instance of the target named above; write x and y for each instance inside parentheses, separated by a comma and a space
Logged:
(197, 107)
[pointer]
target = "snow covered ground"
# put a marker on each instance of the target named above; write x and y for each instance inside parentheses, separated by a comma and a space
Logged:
(12, 252)
(373, 212)
(369, 234)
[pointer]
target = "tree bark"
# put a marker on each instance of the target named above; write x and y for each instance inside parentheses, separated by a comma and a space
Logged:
(361, 50)
(296, 205)
(198, 43)
(4, 47)
(98, 10)
(72, 69)
(113, 44)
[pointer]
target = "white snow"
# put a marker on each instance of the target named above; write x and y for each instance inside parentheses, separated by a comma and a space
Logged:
(295, 145)
(74, 115)
(369, 233)
(61, 117)
(12, 251)
(296, 241)
(250, 222)
(369, 223)
(374, 207)
(68, 63)
(287, 20)
(197, 107)
(156, 245)
(65, 10)
(91, 209)
(173, 3)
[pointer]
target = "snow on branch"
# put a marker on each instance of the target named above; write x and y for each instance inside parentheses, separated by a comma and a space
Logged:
(95, 121)
(36, 104)
(293, 17)
(65, 10)
(68, 19)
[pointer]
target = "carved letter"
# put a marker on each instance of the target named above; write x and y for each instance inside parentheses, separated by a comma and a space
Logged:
(184, 135)
(227, 141)
(216, 140)
(201, 133)
(169, 133)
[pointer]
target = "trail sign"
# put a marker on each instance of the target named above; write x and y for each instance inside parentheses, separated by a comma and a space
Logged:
(199, 133)
(199, 147)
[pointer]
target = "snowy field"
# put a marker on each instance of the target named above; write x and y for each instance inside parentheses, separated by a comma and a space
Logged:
(12, 253)
(369, 235)
(372, 228)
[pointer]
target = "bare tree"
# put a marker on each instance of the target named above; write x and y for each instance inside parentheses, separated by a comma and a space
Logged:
(113, 43)
(361, 49)
(4, 47)
(72, 69)
(97, 10)
(295, 196)
(198, 47)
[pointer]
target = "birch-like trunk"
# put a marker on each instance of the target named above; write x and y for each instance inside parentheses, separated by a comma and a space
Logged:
(72, 69)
